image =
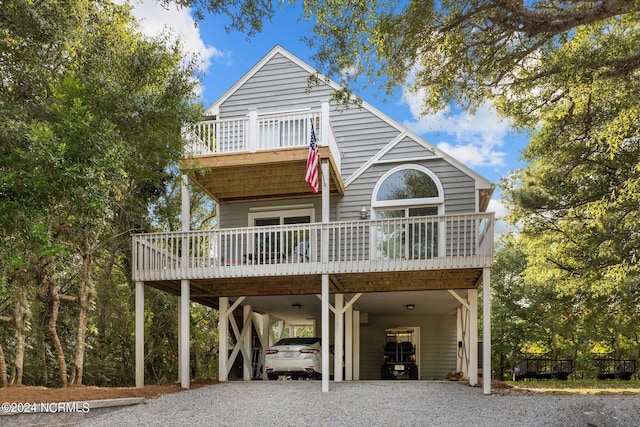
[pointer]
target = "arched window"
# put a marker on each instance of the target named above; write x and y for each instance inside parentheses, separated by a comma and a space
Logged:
(408, 185)
(403, 192)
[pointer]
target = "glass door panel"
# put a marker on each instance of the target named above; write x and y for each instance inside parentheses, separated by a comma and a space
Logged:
(298, 244)
(267, 243)
(423, 235)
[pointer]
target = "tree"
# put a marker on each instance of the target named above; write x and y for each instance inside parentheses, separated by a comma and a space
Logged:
(91, 115)
(464, 52)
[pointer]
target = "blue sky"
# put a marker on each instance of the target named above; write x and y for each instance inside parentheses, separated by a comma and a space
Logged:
(481, 141)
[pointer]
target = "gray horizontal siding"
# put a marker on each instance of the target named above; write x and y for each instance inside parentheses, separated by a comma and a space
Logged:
(438, 345)
(233, 215)
(407, 148)
(281, 85)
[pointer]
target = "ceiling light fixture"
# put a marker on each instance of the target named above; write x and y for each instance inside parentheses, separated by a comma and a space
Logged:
(410, 307)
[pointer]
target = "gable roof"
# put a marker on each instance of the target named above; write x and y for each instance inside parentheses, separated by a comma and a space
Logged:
(481, 182)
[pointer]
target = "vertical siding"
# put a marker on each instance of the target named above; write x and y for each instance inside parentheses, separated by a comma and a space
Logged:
(437, 345)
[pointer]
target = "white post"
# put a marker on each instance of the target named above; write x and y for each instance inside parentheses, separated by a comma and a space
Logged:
(473, 337)
(325, 129)
(185, 297)
(186, 204)
(267, 333)
(459, 338)
(486, 330)
(247, 312)
(338, 337)
(325, 333)
(180, 337)
(223, 338)
(184, 333)
(324, 163)
(348, 343)
(253, 131)
(356, 345)
(139, 334)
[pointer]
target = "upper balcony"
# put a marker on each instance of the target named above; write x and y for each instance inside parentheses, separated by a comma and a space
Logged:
(416, 253)
(260, 156)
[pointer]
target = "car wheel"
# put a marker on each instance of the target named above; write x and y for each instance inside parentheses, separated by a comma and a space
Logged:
(317, 375)
(294, 378)
(272, 377)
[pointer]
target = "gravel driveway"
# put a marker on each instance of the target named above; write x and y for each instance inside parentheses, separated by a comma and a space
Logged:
(371, 403)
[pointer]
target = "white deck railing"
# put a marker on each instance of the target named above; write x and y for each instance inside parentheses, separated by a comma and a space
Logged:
(419, 243)
(261, 133)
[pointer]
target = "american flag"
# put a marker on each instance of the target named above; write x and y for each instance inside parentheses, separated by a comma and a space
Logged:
(313, 159)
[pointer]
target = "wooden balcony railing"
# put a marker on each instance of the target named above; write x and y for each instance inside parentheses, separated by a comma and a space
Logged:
(260, 132)
(417, 243)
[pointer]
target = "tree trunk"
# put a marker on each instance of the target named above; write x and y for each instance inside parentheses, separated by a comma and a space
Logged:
(3, 369)
(83, 316)
(84, 300)
(55, 307)
(20, 323)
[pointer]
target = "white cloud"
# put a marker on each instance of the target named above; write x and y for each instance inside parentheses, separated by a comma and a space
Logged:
(178, 22)
(477, 138)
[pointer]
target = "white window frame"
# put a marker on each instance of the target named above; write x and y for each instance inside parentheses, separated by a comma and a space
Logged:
(280, 212)
(406, 204)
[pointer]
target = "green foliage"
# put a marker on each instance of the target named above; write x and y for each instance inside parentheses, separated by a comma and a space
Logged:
(91, 114)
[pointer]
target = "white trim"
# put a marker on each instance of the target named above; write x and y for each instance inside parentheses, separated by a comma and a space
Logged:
(408, 202)
(408, 160)
(376, 159)
(280, 208)
(281, 213)
(284, 112)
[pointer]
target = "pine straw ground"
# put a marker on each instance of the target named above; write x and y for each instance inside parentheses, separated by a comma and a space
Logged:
(31, 394)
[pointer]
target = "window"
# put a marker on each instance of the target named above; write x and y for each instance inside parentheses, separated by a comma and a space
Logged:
(276, 244)
(404, 193)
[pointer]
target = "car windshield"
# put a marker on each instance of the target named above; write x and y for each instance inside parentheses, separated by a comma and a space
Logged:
(298, 341)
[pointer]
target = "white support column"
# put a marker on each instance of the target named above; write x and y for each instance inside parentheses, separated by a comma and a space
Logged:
(348, 343)
(179, 338)
(486, 330)
(247, 312)
(139, 334)
(223, 338)
(459, 348)
(325, 333)
(267, 333)
(473, 337)
(185, 298)
(324, 176)
(356, 345)
(338, 337)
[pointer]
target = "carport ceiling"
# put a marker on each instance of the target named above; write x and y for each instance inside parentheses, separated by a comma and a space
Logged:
(426, 303)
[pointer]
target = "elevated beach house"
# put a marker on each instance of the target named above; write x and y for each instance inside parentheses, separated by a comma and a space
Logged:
(397, 234)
